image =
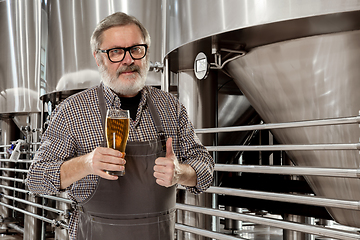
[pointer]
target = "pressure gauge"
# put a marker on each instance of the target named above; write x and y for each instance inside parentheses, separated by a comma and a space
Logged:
(201, 66)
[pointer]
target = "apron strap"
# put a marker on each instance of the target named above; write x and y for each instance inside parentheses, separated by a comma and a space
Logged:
(102, 106)
(153, 112)
(158, 125)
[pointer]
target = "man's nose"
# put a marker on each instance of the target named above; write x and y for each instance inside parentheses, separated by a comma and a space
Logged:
(127, 59)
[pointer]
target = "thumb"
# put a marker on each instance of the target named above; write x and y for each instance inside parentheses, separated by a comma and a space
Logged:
(169, 148)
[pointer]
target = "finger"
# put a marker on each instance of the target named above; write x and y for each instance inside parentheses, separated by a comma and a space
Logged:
(163, 169)
(110, 167)
(105, 175)
(162, 183)
(158, 175)
(112, 160)
(110, 151)
(169, 148)
(160, 180)
(161, 161)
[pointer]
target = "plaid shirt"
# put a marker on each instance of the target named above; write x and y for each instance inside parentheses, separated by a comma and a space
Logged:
(75, 129)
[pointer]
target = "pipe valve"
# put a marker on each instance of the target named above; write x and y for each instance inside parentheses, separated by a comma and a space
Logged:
(15, 155)
(156, 67)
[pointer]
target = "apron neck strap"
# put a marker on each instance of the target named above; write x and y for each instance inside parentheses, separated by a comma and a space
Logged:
(102, 105)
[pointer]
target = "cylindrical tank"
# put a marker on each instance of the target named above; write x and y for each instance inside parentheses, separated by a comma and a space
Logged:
(301, 64)
(70, 64)
(19, 56)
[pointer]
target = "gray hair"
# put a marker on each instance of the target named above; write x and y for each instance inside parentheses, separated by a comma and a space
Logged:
(114, 20)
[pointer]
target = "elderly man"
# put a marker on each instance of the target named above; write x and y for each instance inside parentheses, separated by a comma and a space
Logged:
(73, 156)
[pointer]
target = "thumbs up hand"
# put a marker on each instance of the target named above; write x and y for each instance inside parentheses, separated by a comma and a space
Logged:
(167, 169)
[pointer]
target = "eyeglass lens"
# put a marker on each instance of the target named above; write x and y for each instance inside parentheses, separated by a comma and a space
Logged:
(118, 54)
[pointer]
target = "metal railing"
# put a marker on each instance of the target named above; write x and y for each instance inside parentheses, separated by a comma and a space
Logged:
(13, 199)
(316, 230)
(269, 126)
(294, 170)
(286, 170)
(54, 222)
(284, 147)
(292, 198)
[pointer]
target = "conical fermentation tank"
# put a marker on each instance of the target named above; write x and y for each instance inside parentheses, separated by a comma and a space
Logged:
(301, 63)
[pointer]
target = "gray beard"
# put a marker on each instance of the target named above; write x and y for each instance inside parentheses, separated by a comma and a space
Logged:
(131, 87)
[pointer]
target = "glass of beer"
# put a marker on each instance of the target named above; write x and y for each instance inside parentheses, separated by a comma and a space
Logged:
(117, 132)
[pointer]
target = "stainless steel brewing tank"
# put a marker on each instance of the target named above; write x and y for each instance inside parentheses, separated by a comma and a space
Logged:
(70, 64)
(188, 20)
(310, 78)
(302, 64)
(19, 56)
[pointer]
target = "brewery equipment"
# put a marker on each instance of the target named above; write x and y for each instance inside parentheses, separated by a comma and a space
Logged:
(270, 86)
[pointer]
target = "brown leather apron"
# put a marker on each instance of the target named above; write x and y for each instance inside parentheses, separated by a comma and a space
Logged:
(134, 206)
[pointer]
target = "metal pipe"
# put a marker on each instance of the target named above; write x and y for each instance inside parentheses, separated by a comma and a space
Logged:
(165, 77)
(311, 123)
(282, 197)
(34, 204)
(32, 143)
(58, 199)
(27, 213)
(14, 170)
(316, 230)
(219, 67)
(13, 179)
(205, 233)
(40, 195)
(5, 145)
(54, 222)
(284, 147)
(15, 189)
(16, 227)
(18, 161)
(307, 171)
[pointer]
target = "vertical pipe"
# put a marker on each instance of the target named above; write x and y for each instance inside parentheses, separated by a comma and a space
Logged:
(293, 235)
(7, 128)
(59, 232)
(215, 221)
(165, 81)
(33, 226)
(199, 97)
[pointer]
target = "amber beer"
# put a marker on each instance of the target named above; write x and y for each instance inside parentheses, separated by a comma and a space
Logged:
(117, 132)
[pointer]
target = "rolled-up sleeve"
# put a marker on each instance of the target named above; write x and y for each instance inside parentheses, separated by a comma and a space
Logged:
(56, 146)
(195, 154)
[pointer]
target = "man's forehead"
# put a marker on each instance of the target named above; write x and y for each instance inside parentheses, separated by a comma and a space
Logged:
(119, 36)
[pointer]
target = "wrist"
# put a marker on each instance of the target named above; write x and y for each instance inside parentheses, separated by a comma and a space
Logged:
(186, 175)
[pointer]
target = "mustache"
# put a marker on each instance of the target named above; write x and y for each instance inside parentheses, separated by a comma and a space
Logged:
(132, 68)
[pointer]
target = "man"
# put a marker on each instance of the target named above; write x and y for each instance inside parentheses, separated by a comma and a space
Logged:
(73, 154)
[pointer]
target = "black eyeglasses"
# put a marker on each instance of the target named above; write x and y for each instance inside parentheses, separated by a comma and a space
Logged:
(115, 55)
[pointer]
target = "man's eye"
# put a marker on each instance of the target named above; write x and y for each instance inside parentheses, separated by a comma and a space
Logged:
(117, 51)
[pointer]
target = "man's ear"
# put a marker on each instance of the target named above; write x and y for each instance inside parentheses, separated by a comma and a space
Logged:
(96, 60)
